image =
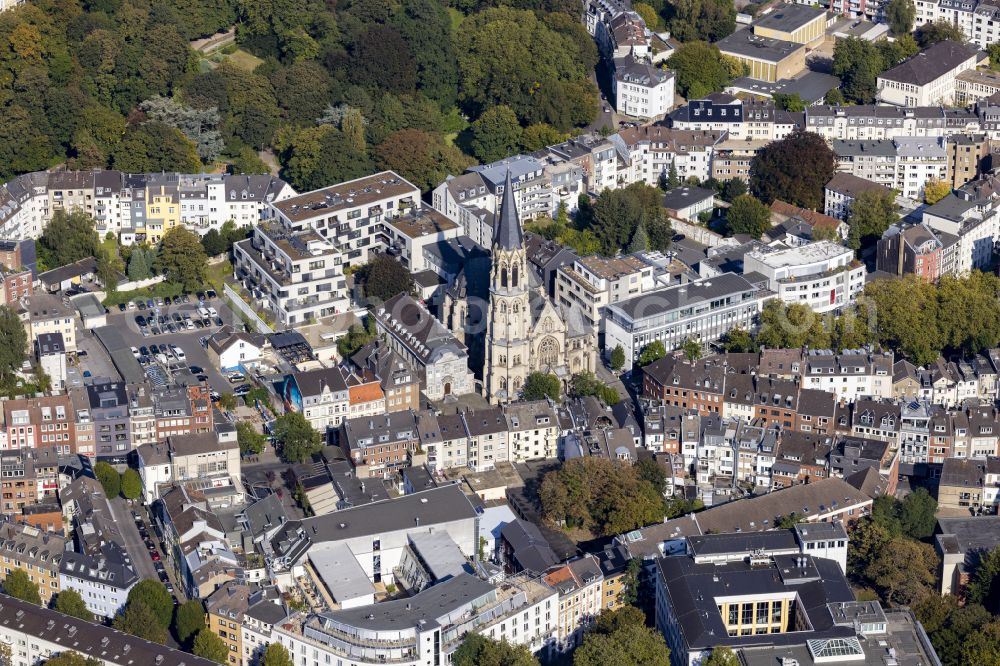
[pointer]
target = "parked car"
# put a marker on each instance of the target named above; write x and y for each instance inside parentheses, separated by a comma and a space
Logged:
(135, 351)
(241, 390)
(210, 293)
(81, 353)
(178, 352)
(195, 369)
(87, 374)
(122, 307)
(213, 312)
(131, 305)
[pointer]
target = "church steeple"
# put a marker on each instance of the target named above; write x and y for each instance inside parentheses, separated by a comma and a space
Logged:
(508, 235)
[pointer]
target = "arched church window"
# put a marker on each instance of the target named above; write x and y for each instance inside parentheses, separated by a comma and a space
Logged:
(503, 307)
(548, 352)
(503, 383)
(517, 308)
(517, 383)
(503, 276)
(513, 282)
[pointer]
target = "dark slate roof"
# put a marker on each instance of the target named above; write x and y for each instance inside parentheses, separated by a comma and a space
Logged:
(930, 64)
(531, 550)
(508, 234)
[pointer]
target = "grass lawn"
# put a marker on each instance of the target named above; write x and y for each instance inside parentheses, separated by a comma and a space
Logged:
(244, 60)
(217, 273)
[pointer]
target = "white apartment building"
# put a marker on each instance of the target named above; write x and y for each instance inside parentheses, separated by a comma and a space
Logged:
(823, 275)
(978, 20)
(649, 150)
(919, 159)
(580, 584)
(880, 122)
(927, 78)
(103, 581)
(47, 314)
(406, 235)
(976, 226)
(851, 375)
(642, 90)
(425, 628)
(36, 633)
(703, 310)
(295, 275)
(589, 284)
(533, 430)
(322, 396)
(348, 215)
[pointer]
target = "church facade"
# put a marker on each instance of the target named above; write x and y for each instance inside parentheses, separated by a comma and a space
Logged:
(524, 331)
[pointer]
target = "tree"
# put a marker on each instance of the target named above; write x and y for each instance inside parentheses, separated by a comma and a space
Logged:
(153, 595)
(277, 655)
(537, 66)
(700, 69)
(614, 217)
(721, 656)
(791, 326)
(903, 571)
(983, 646)
(68, 237)
(69, 602)
(916, 515)
(227, 402)
(834, 97)
(649, 470)
(478, 650)
(622, 637)
(139, 620)
(155, 146)
(140, 264)
(747, 215)
(794, 170)
(600, 494)
(789, 102)
(213, 243)
(984, 587)
(859, 62)
(540, 385)
(692, 349)
(13, 343)
(356, 338)
(383, 277)
(538, 136)
(617, 358)
(869, 215)
(496, 134)
(182, 259)
(710, 20)
(423, 158)
(938, 31)
(109, 267)
(295, 437)
(900, 14)
(209, 646)
(110, 479)
(935, 190)
(654, 351)
(69, 658)
(640, 239)
(246, 161)
(131, 484)
(732, 188)
(738, 340)
(251, 441)
(199, 125)
(18, 585)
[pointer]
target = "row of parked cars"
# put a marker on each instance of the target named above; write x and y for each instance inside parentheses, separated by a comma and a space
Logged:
(154, 555)
(176, 322)
(153, 303)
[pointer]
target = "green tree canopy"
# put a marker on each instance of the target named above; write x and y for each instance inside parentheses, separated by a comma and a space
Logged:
(424, 158)
(600, 494)
(900, 14)
(478, 650)
(938, 31)
(621, 637)
(496, 134)
(131, 484)
(747, 215)
(710, 20)
(540, 385)
(721, 656)
(296, 438)
(869, 215)
(935, 190)
(383, 277)
(700, 69)
(209, 646)
(110, 479)
(618, 358)
(794, 170)
(18, 585)
(70, 602)
(189, 620)
(139, 620)
(68, 237)
(153, 595)
(213, 243)
(615, 216)
(250, 441)
(182, 259)
(13, 344)
(984, 586)
(276, 655)
(654, 351)
(71, 658)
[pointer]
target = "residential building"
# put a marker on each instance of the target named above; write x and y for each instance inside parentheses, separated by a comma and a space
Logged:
(913, 249)
(40, 633)
(48, 314)
(321, 396)
(380, 445)
(400, 382)
(850, 375)
(225, 611)
(927, 78)
(649, 151)
(961, 542)
(689, 203)
(970, 484)
(230, 350)
(534, 430)
(103, 579)
(579, 583)
(823, 275)
(974, 85)
(967, 155)
(35, 552)
(294, 273)
(878, 122)
(589, 284)
(642, 90)
(32, 423)
(843, 189)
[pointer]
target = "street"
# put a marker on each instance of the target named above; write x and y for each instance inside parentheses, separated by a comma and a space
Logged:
(133, 540)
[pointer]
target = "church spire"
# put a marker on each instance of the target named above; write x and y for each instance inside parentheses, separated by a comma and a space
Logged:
(507, 234)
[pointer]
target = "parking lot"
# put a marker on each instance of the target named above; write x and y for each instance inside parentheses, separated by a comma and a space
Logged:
(185, 337)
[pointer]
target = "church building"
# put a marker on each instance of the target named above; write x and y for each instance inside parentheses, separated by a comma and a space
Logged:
(524, 330)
